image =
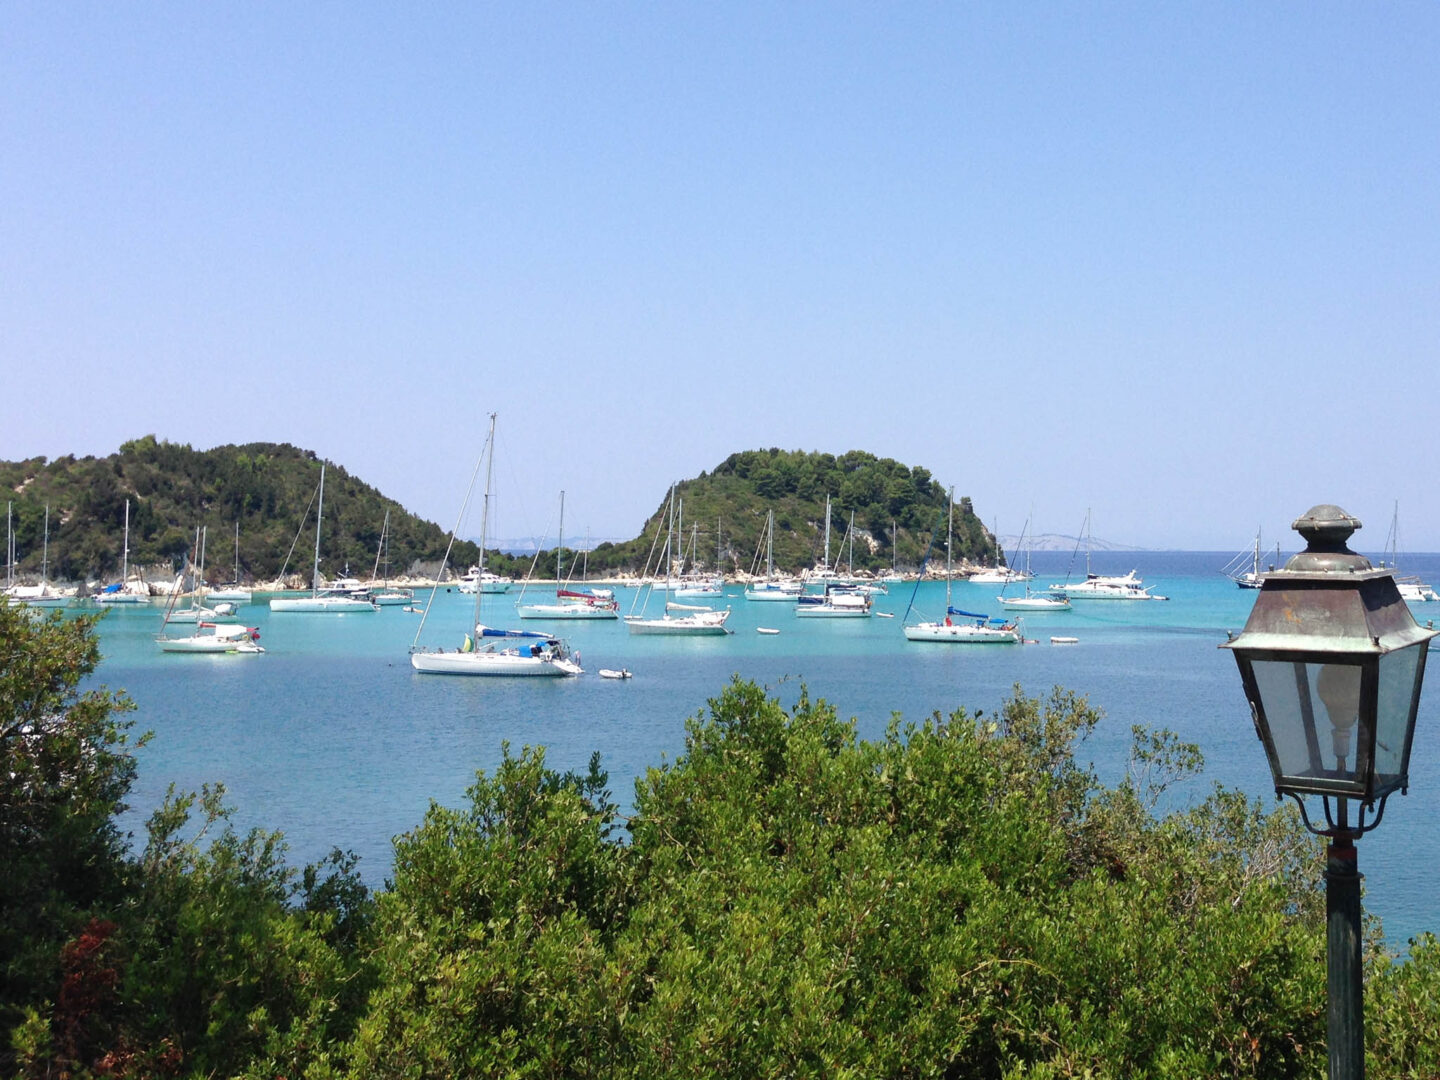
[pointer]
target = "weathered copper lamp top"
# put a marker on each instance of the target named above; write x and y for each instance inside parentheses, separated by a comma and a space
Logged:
(1325, 529)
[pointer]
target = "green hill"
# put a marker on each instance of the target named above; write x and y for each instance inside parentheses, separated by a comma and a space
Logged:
(268, 489)
(896, 510)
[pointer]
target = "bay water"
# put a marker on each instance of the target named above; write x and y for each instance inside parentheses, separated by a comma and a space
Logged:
(332, 738)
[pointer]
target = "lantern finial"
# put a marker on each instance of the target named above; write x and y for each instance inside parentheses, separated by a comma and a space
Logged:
(1325, 528)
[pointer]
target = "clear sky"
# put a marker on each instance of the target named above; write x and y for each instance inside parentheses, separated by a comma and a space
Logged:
(1177, 262)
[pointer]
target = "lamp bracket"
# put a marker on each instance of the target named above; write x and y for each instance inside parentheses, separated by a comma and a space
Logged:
(1342, 828)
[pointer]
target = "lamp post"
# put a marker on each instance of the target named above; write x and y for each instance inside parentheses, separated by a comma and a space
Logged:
(1332, 662)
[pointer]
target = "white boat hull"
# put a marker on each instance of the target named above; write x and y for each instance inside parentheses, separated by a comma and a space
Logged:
(828, 611)
(684, 626)
(492, 663)
(119, 599)
(962, 634)
(565, 611)
(771, 596)
(1034, 603)
(327, 604)
(234, 596)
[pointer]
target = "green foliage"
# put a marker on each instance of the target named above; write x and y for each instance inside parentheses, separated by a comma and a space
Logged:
(896, 509)
(268, 488)
(960, 898)
(65, 769)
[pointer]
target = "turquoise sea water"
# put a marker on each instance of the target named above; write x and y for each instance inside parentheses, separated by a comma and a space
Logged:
(333, 739)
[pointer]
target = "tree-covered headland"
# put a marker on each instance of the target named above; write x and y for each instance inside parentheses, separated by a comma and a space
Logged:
(268, 490)
(960, 898)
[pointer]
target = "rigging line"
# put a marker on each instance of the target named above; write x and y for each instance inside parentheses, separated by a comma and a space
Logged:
(303, 518)
(921, 575)
(444, 562)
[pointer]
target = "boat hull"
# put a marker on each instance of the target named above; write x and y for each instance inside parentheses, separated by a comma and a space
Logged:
(685, 627)
(565, 611)
(323, 604)
(961, 634)
(492, 664)
(822, 611)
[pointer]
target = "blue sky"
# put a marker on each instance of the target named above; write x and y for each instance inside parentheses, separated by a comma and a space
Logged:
(1178, 263)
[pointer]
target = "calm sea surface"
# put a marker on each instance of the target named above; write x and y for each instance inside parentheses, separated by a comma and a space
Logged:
(331, 738)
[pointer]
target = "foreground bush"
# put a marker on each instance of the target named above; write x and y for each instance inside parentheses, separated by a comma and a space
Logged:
(960, 898)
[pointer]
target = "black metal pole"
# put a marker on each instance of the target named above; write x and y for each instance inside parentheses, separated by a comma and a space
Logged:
(1346, 1018)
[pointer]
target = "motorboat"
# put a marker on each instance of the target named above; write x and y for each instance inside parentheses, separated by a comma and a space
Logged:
(1107, 587)
(477, 580)
(836, 602)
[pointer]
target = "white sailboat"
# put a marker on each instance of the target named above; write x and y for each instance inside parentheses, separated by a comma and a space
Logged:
(197, 611)
(771, 588)
(212, 637)
(1032, 601)
(234, 593)
(1237, 572)
(321, 600)
(971, 628)
(568, 603)
(1412, 589)
(384, 594)
(519, 653)
(42, 595)
(125, 591)
(678, 620)
(997, 574)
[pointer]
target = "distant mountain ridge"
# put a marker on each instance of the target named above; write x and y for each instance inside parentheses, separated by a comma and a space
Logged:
(1061, 542)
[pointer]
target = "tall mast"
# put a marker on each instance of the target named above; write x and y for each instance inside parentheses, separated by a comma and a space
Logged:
(125, 551)
(770, 546)
(319, 517)
(949, 533)
(485, 511)
(851, 531)
(827, 532)
(237, 551)
(45, 549)
(9, 549)
(560, 543)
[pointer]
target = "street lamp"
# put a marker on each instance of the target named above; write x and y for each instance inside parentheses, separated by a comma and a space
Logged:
(1332, 662)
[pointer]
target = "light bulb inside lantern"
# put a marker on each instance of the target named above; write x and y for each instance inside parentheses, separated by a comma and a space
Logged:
(1339, 686)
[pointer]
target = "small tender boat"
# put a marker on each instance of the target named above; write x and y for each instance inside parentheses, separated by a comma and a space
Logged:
(612, 673)
(1063, 640)
(766, 630)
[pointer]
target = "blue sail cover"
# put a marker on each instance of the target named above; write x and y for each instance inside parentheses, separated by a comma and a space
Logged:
(486, 631)
(965, 614)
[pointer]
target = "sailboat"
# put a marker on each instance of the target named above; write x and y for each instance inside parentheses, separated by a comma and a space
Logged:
(569, 603)
(1412, 589)
(234, 592)
(321, 600)
(997, 574)
(973, 628)
(41, 595)
(491, 651)
(1032, 601)
(1250, 578)
(125, 591)
(197, 612)
(772, 588)
(687, 620)
(1101, 586)
(386, 595)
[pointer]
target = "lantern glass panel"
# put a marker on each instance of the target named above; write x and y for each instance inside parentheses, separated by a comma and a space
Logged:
(1398, 671)
(1314, 718)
